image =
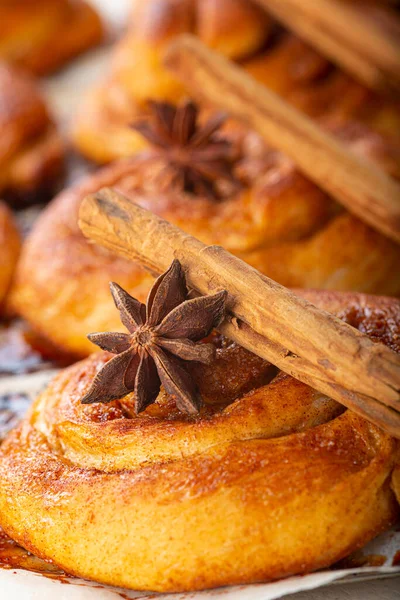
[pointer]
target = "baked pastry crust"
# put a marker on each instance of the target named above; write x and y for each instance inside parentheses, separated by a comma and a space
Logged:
(9, 250)
(31, 150)
(279, 222)
(42, 35)
(271, 479)
(239, 30)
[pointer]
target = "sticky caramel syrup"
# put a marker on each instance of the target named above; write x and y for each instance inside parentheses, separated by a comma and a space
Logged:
(13, 556)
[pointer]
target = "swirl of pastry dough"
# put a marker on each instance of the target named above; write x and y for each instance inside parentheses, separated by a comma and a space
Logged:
(270, 479)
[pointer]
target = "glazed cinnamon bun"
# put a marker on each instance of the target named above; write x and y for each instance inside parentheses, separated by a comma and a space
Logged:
(241, 31)
(42, 35)
(223, 188)
(31, 150)
(270, 479)
(9, 250)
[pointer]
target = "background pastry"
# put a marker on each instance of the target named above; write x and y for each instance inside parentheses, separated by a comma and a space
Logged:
(229, 190)
(297, 479)
(240, 30)
(31, 150)
(42, 35)
(235, 27)
(9, 250)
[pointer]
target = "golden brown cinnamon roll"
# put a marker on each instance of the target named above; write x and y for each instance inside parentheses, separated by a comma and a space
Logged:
(42, 35)
(31, 150)
(9, 250)
(225, 189)
(269, 480)
(239, 30)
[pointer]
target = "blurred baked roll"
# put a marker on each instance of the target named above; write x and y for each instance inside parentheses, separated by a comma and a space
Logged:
(241, 31)
(222, 186)
(270, 479)
(9, 250)
(31, 150)
(42, 35)
(237, 28)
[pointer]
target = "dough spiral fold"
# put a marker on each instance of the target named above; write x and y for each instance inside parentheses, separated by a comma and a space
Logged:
(271, 479)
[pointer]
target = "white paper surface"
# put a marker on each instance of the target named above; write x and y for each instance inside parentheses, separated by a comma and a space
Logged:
(22, 585)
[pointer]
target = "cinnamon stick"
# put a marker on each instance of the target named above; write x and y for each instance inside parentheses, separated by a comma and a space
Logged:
(357, 183)
(355, 36)
(265, 317)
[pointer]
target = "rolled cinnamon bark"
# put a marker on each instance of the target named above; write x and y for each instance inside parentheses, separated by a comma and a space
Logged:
(362, 187)
(266, 318)
(349, 34)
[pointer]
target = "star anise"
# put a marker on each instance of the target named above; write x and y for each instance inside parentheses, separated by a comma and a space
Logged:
(161, 336)
(196, 158)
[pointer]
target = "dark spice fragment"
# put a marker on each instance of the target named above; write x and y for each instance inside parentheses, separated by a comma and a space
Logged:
(196, 157)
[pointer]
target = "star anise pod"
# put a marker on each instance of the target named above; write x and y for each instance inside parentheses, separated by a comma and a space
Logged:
(196, 158)
(161, 336)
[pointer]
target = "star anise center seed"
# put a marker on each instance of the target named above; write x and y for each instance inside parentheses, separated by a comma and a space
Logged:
(143, 337)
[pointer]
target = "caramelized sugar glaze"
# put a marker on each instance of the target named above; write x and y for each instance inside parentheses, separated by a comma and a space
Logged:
(41, 35)
(13, 556)
(270, 479)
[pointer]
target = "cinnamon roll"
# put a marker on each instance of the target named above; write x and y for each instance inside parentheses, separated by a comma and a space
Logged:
(31, 150)
(9, 250)
(270, 479)
(241, 31)
(222, 187)
(237, 28)
(42, 35)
